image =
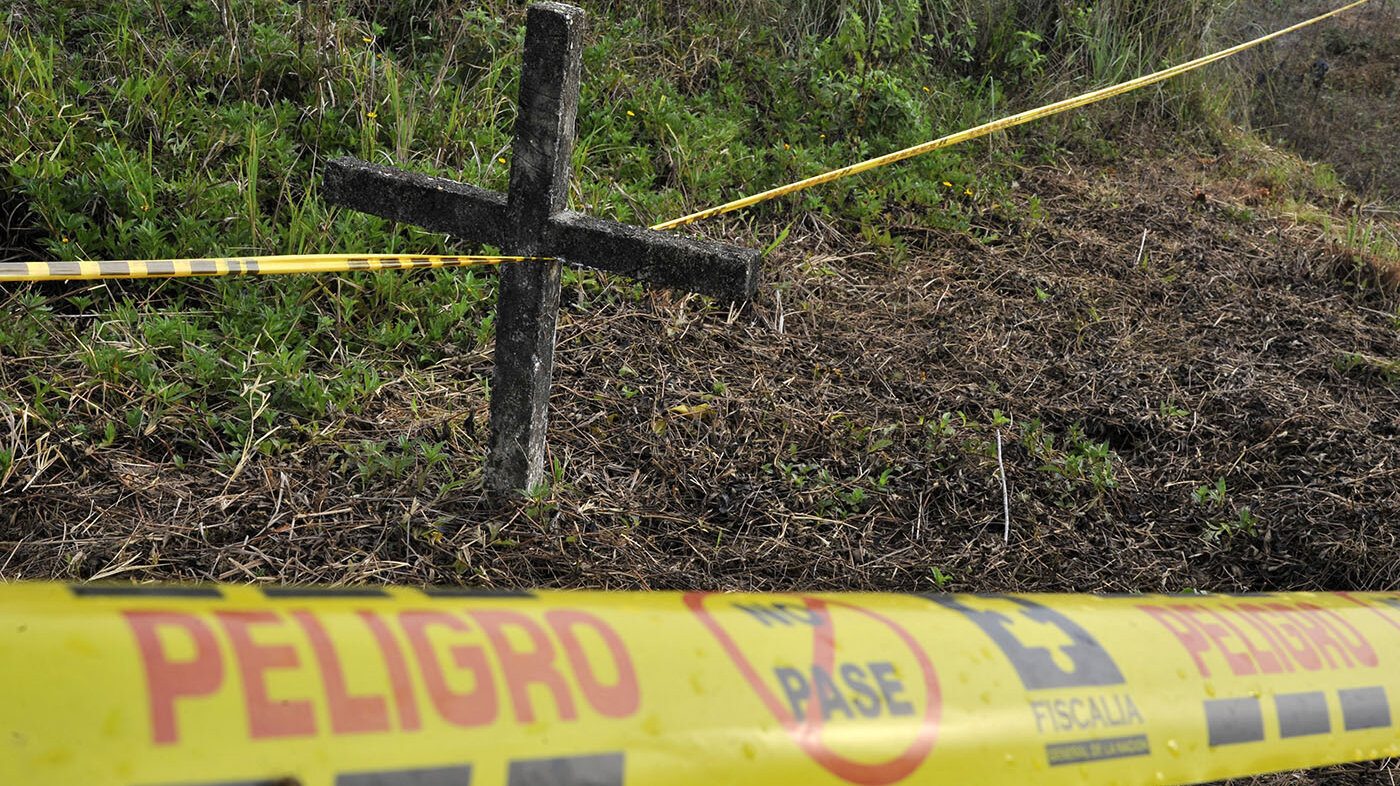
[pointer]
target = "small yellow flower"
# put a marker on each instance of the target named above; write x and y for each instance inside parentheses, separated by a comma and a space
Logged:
(372, 115)
(145, 207)
(967, 192)
(823, 136)
(630, 113)
(367, 40)
(926, 90)
(502, 160)
(787, 146)
(65, 240)
(947, 184)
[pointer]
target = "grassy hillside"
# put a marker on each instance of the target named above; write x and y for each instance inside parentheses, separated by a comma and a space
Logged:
(148, 130)
(1178, 343)
(1332, 94)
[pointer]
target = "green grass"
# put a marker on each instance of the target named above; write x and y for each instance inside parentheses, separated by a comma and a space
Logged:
(137, 130)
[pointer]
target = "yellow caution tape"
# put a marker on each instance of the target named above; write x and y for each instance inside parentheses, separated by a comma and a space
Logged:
(995, 125)
(162, 685)
(265, 265)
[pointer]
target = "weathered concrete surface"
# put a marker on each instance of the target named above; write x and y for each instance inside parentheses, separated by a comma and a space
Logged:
(658, 259)
(544, 126)
(434, 203)
(528, 303)
(654, 258)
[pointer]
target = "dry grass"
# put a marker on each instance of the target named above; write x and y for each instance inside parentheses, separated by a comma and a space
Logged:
(1132, 344)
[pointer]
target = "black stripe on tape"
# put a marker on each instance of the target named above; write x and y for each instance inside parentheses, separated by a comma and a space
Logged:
(70, 269)
(1151, 595)
(275, 593)
(604, 769)
(475, 592)
(1233, 721)
(143, 591)
(437, 776)
(1302, 714)
(160, 267)
(1364, 708)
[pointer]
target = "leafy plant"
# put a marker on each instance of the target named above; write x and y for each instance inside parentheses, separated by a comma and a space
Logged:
(1244, 522)
(1215, 499)
(1210, 496)
(1170, 409)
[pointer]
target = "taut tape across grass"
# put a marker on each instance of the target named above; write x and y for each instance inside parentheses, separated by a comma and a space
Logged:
(1002, 124)
(157, 685)
(235, 266)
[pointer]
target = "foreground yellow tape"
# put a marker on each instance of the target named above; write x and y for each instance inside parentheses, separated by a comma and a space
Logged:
(266, 265)
(996, 125)
(194, 685)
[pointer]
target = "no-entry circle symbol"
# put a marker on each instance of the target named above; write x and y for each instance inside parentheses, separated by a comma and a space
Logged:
(809, 731)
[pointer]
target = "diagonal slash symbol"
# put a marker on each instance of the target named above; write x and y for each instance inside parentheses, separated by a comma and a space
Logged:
(807, 732)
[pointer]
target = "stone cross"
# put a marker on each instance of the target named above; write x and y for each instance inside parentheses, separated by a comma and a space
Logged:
(531, 220)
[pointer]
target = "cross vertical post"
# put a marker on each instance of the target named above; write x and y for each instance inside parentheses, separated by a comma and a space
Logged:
(531, 220)
(528, 299)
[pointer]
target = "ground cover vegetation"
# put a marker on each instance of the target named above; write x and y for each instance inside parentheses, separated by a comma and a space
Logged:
(1177, 343)
(1331, 95)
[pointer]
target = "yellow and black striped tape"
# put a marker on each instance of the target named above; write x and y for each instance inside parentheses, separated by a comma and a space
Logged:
(232, 266)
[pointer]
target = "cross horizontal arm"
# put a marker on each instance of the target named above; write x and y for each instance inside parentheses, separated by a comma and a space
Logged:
(434, 203)
(657, 259)
(661, 260)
